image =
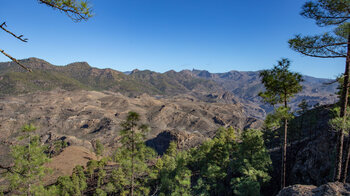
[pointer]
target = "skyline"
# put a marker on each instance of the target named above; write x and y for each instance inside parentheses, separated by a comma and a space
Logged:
(166, 35)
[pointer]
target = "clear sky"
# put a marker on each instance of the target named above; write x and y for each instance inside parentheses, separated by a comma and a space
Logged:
(160, 35)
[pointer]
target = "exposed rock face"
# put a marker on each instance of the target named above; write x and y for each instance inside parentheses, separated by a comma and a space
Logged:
(81, 116)
(314, 158)
(314, 163)
(310, 159)
(329, 189)
(183, 139)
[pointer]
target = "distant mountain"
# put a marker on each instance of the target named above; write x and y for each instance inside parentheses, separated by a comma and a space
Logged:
(230, 87)
(14, 80)
(247, 85)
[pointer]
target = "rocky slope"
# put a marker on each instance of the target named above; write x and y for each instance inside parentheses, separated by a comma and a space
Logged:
(230, 87)
(80, 117)
(310, 153)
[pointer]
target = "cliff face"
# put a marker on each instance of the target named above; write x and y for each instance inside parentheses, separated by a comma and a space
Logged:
(310, 156)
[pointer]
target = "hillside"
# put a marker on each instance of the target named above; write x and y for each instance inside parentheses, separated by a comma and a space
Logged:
(81, 76)
(231, 87)
(83, 116)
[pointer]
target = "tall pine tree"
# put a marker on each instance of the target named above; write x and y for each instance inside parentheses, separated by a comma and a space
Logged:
(134, 158)
(335, 44)
(281, 85)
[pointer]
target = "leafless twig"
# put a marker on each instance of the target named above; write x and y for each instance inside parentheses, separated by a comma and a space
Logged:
(20, 37)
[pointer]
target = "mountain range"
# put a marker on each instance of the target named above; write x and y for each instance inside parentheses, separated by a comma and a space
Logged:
(230, 87)
(79, 105)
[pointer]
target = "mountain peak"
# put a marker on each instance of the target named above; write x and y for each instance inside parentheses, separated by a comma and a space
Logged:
(34, 59)
(79, 65)
(134, 71)
(36, 63)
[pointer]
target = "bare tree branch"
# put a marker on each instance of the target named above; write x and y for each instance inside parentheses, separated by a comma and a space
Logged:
(3, 25)
(16, 61)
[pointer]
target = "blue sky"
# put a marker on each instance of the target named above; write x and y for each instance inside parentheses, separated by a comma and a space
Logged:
(160, 35)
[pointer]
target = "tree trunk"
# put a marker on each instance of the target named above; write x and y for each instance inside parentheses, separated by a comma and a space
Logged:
(344, 100)
(284, 155)
(345, 172)
(284, 151)
(301, 126)
(132, 162)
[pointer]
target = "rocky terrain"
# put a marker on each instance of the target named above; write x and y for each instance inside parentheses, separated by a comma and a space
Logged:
(329, 189)
(310, 156)
(83, 116)
(79, 105)
(246, 85)
(229, 87)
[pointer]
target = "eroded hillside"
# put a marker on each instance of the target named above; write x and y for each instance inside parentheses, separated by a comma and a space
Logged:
(83, 116)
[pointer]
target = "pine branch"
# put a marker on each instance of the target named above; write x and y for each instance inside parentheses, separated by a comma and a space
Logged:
(9, 169)
(320, 56)
(3, 25)
(333, 52)
(328, 45)
(72, 12)
(16, 61)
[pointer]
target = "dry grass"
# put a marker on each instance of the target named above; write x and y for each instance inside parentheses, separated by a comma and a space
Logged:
(64, 163)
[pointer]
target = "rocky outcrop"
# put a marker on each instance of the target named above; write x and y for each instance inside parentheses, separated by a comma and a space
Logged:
(183, 139)
(310, 156)
(329, 189)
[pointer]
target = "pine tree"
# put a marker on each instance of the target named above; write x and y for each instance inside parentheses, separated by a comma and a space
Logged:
(281, 85)
(251, 164)
(212, 159)
(134, 157)
(98, 148)
(29, 159)
(73, 185)
(224, 166)
(174, 176)
(335, 44)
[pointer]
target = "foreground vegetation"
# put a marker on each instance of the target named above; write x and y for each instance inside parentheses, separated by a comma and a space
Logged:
(231, 163)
